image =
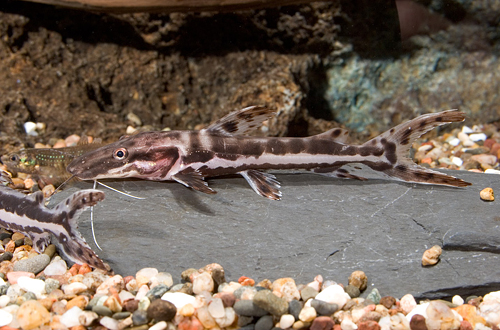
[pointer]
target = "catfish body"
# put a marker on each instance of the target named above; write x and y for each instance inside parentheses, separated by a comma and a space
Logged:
(28, 215)
(221, 149)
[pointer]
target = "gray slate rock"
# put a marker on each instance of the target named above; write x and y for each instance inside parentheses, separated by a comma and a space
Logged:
(102, 310)
(378, 226)
(308, 293)
(34, 264)
(294, 308)
(323, 307)
(157, 292)
(270, 302)
(139, 317)
(248, 308)
(264, 323)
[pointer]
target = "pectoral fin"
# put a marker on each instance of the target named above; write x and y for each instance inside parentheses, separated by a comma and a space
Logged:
(262, 183)
(194, 180)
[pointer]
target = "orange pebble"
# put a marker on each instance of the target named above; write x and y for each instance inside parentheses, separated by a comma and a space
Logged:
(190, 323)
(427, 160)
(10, 246)
(84, 269)
(6, 327)
(246, 281)
(78, 327)
(74, 269)
(469, 313)
(13, 276)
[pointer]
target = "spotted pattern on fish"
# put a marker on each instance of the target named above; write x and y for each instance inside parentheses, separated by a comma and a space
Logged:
(28, 215)
(221, 149)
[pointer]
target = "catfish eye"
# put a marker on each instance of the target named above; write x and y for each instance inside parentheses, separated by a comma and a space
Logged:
(120, 153)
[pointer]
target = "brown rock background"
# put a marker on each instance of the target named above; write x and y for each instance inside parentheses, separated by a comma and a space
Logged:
(320, 65)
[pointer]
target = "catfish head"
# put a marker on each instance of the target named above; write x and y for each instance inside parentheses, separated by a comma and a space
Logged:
(147, 155)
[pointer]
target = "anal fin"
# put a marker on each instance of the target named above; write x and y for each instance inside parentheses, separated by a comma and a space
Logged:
(194, 180)
(262, 183)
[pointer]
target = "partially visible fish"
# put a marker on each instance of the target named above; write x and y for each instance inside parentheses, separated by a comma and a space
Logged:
(189, 156)
(28, 215)
(47, 165)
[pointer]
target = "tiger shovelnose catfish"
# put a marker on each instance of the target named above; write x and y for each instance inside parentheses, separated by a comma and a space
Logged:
(222, 148)
(28, 215)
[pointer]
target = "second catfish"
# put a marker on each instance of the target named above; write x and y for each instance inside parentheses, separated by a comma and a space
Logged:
(222, 149)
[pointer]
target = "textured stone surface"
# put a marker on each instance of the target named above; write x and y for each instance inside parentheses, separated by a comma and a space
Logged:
(321, 226)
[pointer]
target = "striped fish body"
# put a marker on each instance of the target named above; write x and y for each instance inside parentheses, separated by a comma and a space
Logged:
(190, 156)
(28, 215)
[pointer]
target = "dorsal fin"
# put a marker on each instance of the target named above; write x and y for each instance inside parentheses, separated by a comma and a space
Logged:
(241, 122)
(337, 134)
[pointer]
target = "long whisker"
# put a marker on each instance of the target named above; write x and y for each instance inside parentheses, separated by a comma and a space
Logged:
(62, 184)
(118, 191)
(92, 220)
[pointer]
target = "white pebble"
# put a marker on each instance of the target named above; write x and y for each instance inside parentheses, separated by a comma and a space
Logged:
(407, 303)
(425, 147)
(229, 287)
(454, 142)
(144, 275)
(71, 317)
(134, 119)
(286, 321)
(334, 294)
(109, 323)
(162, 325)
(478, 137)
(420, 309)
(397, 321)
(348, 324)
(74, 288)
(216, 308)
(457, 300)
(162, 278)
(2, 282)
(179, 299)
(30, 128)
(141, 293)
(56, 267)
(227, 319)
(125, 295)
(203, 282)
(492, 297)
(87, 317)
(467, 130)
(130, 130)
(32, 285)
(112, 282)
(464, 138)
(144, 303)
(4, 301)
(438, 314)
(492, 171)
(5, 317)
(307, 314)
(457, 161)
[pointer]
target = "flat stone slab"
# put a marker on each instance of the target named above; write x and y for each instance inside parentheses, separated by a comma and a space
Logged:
(321, 226)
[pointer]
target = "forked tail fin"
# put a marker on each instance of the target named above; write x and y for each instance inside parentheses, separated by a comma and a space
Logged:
(396, 144)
